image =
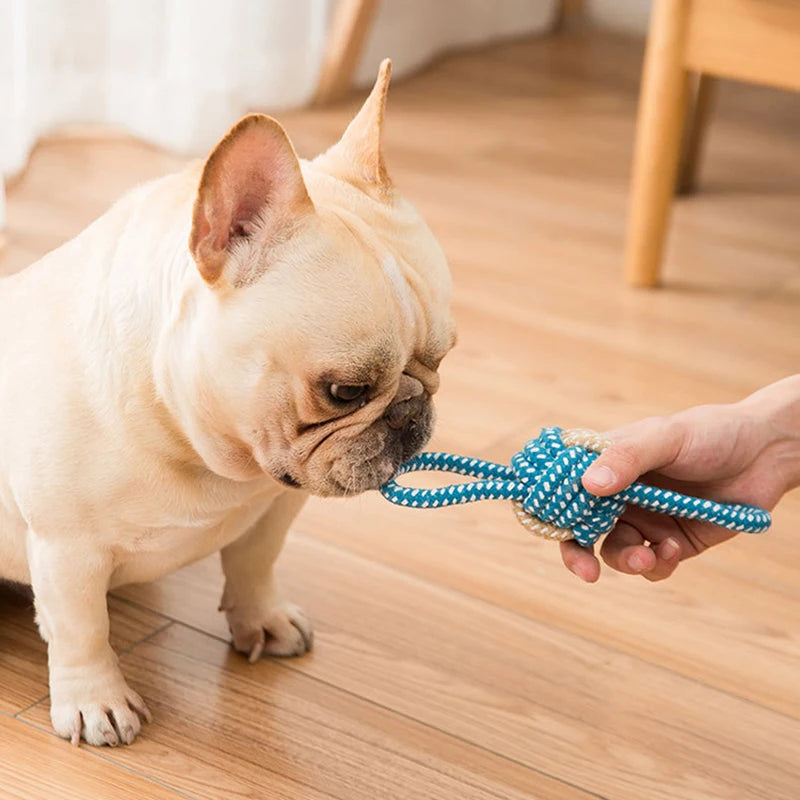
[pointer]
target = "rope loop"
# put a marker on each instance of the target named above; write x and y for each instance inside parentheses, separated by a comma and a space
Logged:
(544, 483)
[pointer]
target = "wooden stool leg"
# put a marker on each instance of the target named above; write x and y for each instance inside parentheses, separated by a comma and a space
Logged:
(351, 24)
(696, 127)
(662, 110)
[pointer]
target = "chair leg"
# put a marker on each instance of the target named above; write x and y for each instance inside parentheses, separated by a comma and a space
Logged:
(351, 23)
(569, 13)
(662, 110)
(702, 104)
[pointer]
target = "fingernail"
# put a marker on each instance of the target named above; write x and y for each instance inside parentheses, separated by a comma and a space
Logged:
(601, 476)
(578, 572)
(636, 562)
(670, 548)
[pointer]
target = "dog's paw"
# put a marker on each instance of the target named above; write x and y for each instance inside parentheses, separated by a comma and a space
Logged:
(98, 709)
(284, 630)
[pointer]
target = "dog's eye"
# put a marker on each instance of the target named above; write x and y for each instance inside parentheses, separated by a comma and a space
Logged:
(347, 394)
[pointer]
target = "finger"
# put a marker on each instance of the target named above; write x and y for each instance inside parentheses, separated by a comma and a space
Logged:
(668, 555)
(625, 550)
(692, 537)
(581, 561)
(638, 448)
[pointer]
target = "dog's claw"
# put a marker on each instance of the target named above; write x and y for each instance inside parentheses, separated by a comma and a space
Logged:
(141, 709)
(77, 725)
(282, 631)
(107, 718)
(308, 636)
(256, 652)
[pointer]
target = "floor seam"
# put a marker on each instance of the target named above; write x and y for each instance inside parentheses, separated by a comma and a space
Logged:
(134, 645)
(27, 708)
(282, 663)
(95, 754)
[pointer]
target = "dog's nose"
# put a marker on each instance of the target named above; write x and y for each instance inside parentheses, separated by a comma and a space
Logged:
(407, 403)
(408, 388)
(403, 415)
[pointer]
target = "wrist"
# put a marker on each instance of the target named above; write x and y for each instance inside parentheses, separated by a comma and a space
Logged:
(777, 408)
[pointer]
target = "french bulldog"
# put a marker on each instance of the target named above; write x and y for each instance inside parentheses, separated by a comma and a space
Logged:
(178, 378)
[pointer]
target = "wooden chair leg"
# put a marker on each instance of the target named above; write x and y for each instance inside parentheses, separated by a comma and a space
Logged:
(701, 106)
(570, 13)
(662, 110)
(349, 28)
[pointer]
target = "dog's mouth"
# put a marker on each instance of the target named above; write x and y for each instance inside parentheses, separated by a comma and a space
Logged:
(363, 463)
(370, 475)
(348, 477)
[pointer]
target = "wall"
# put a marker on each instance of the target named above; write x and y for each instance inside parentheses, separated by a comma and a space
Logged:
(628, 16)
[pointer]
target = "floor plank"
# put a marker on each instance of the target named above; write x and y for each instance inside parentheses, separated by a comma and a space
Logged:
(523, 689)
(733, 629)
(224, 727)
(36, 765)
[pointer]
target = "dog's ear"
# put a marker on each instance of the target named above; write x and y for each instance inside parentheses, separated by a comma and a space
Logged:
(251, 179)
(358, 156)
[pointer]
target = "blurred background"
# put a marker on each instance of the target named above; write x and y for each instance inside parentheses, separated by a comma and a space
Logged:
(175, 72)
(617, 187)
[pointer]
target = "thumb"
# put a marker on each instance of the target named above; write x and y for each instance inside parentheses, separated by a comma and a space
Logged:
(638, 448)
(604, 477)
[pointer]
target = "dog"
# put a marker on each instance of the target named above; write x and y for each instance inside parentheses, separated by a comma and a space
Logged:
(178, 378)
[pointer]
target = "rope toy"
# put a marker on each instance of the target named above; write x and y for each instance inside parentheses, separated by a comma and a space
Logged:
(544, 482)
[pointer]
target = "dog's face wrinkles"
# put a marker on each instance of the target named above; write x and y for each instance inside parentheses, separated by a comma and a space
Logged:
(323, 316)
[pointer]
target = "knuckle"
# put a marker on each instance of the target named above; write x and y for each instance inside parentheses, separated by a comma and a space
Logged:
(661, 571)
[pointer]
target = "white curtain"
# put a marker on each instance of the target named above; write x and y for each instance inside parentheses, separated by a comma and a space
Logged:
(174, 72)
(178, 73)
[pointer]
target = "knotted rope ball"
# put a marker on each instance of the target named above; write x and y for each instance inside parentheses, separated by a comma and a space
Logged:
(544, 483)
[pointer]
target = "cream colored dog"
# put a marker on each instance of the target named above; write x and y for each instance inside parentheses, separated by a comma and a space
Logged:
(177, 378)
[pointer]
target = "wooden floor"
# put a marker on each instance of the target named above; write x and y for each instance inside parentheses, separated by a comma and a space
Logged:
(456, 657)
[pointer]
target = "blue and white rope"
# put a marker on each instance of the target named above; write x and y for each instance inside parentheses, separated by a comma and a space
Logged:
(544, 481)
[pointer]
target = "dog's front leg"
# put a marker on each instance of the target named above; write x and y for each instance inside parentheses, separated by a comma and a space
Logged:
(260, 620)
(88, 695)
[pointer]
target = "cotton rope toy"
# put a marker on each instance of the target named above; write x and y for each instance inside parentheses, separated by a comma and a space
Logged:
(544, 483)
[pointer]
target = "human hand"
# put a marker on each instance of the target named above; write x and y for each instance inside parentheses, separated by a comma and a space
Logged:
(746, 452)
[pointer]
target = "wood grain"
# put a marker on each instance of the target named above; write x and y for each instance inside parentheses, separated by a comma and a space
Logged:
(508, 684)
(488, 557)
(456, 656)
(227, 728)
(751, 40)
(36, 765)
